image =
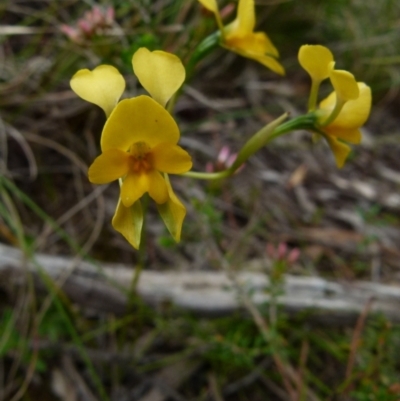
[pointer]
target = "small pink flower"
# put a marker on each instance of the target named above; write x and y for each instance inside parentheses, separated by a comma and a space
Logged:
(225, 159)
(72, 33)
(223, 154)
(97, 17)
(85, 26)
(293, 256)
(282, 249)
(280, 253)
(227, 10)
(109, 16)
(93, 22)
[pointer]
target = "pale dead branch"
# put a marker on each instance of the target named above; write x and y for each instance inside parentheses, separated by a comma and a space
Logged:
(104, 287)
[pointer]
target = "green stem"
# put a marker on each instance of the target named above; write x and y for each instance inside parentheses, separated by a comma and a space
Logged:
(208, 176)
(303, 122)
(338, 108)
(312, 101)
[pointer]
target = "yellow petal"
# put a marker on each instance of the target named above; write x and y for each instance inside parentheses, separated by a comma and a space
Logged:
(349, 135)
(354, 113)
(345, 85)
(109, 166)
(133, 188)
(136, 185)
(327, 105)
(103, 86)
(171, 159)
(340, 150)
(258, 47)
(210, 5)
(140, 119)
(173, 213)
(270, 63)
(245, 20)
(157, 187)
(257, 43)
(160, 73)
(316, 60)
(129, 222)
(246, 16)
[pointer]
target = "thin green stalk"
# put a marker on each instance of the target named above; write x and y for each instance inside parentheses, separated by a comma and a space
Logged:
(115, 325)
(312, 100)
(208, 176)
(258, 140)
(338, 108)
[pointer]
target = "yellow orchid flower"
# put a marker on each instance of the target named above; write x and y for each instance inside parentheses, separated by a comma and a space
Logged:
(160, 73)
(139, 142)
(345, 110)
(239, 35)
(345, 126)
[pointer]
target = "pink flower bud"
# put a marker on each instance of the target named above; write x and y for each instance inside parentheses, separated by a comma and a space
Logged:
(271, 251)
(223, 154)
(227, 10)
(72, 33)
(209, 167)
(293, 256)
(110, 15)
(85, 26)
(282, 249)
(231, 159)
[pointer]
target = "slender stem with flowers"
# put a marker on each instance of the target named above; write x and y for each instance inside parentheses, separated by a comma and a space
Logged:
(139, 141)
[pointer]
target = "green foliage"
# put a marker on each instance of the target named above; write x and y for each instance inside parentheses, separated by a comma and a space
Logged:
(235, 345)
(374, 392)
(52, 326)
